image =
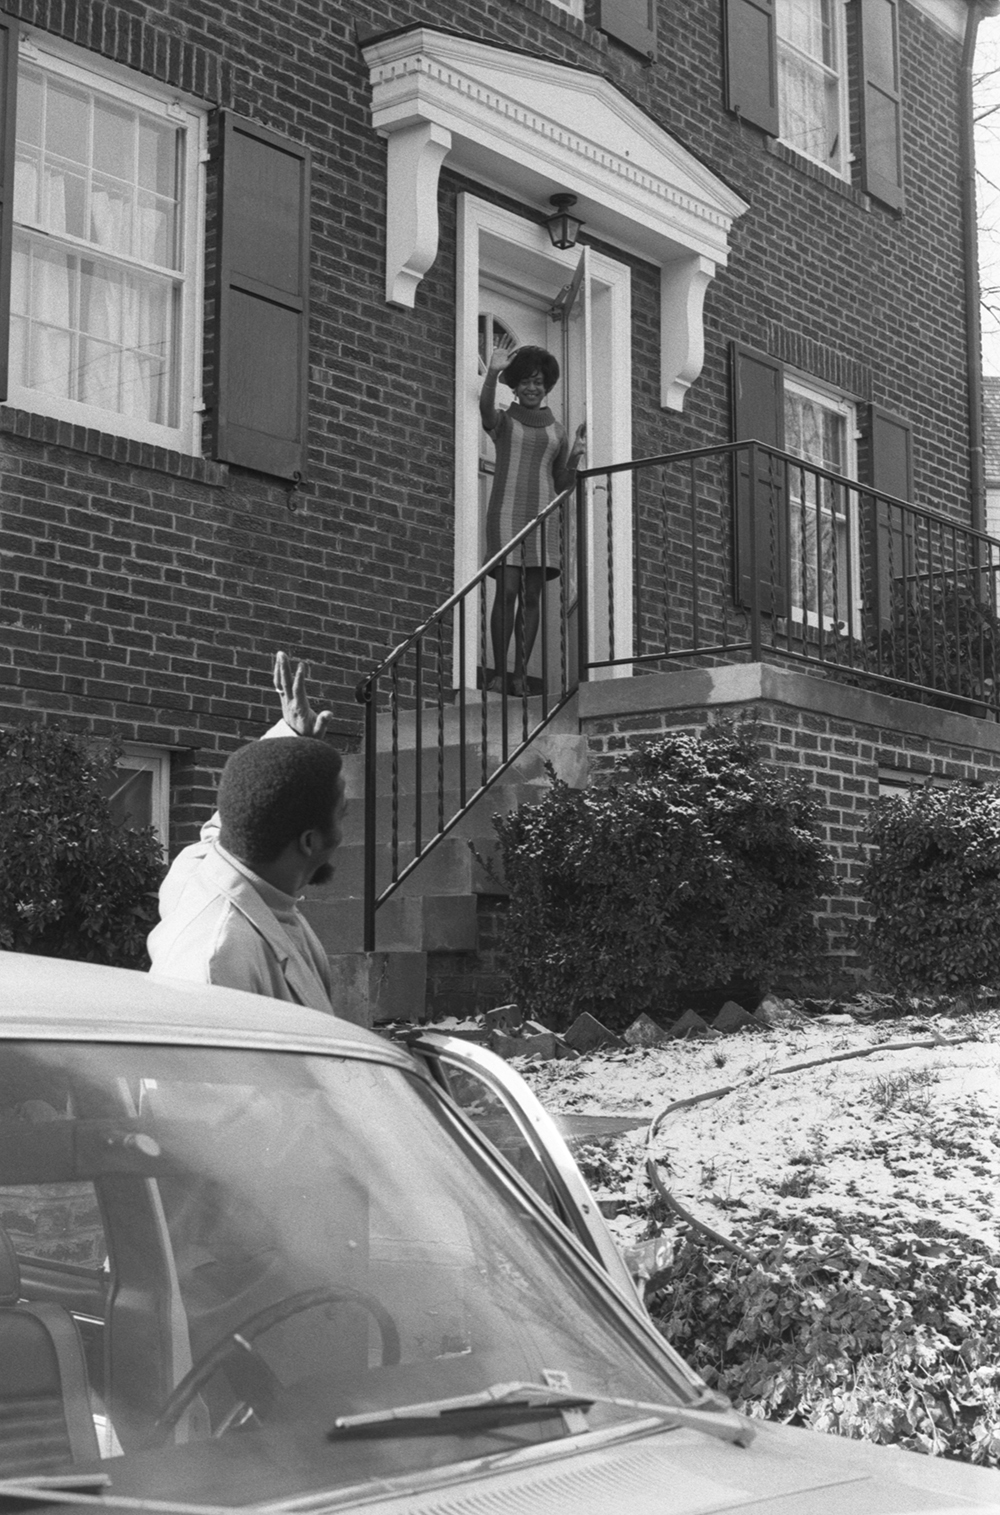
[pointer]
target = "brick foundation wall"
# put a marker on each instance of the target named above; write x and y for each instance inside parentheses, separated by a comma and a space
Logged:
(840, 740)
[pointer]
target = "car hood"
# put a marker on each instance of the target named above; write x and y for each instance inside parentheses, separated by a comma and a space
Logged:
(682, 1472)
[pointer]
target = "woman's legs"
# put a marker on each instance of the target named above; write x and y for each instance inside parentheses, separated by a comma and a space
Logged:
(516, 607)
(529, 611)
(505, 602)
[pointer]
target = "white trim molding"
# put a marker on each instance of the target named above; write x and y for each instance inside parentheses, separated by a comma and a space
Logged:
(532, 128)
(950, 15)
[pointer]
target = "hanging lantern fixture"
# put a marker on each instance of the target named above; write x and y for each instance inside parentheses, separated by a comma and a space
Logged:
(564, 228)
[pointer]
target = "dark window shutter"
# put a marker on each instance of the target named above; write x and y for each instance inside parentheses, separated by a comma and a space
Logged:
(881, 104)
(8, 134)
(752, 62)
(761, 506)
(262, 306)
(630, 21)
(891, 530)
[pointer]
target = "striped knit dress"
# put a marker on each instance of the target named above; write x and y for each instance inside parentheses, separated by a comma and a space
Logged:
(532, 451)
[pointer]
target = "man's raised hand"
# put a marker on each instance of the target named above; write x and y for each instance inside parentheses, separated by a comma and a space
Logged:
(295, 708)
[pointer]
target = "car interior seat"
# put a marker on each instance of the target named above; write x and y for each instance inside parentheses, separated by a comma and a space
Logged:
(46, 1423)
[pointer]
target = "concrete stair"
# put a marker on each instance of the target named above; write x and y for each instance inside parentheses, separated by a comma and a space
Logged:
(435, 909)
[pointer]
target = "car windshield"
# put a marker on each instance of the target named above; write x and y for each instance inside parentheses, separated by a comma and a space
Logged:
(210, 1257)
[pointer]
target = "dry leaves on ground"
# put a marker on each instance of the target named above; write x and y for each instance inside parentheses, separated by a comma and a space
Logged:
(911, 1135)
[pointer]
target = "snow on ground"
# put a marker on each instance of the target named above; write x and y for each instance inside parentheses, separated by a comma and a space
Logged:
(910, 1134)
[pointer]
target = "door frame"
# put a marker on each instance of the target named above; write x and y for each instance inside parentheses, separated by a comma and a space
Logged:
(609, 289)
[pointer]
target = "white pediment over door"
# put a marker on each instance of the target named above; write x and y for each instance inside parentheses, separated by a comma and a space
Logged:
(532, 128)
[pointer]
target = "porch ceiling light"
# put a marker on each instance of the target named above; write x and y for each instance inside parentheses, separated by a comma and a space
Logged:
(563, 227)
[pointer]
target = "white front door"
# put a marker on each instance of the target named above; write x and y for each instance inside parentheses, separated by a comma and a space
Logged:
(515, 287)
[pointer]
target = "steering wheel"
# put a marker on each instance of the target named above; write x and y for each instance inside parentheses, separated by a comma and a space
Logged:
(241, 1340)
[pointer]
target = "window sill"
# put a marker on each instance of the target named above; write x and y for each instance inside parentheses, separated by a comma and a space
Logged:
(817, 172)
(101, 444)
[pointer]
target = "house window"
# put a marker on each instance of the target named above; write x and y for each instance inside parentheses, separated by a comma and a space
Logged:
(138, 793)
(822, 531)
(904, 783)
(106, 270)
(812, 95)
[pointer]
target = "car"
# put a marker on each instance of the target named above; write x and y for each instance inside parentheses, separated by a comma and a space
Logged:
(253, 1256)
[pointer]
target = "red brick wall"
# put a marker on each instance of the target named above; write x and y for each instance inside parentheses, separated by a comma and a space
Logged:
(147, 592)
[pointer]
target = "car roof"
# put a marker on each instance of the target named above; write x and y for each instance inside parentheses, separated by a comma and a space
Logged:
(48, 997)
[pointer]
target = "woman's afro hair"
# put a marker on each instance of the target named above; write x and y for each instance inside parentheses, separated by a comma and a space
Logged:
(272, 791)
(529, 360)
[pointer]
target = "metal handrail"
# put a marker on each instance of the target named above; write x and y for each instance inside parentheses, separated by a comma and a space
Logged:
(554, 516)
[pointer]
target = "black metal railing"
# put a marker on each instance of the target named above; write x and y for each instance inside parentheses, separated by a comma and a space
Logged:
(450, 720)
(747, 550)
(714, 554)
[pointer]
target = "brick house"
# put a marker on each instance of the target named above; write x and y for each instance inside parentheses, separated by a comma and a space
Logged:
(253, 257)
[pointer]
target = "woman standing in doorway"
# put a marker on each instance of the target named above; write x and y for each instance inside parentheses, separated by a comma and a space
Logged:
(534, 463)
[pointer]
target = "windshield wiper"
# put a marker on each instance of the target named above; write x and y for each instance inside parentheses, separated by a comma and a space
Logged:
(504, 1404)
(514, 1403)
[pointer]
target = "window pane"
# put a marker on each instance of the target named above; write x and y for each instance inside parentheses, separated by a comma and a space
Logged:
(111, 217)
(64, 199)
(114, 141)
(67, 121)
(58, 1222)
(157, 157)
(29, 108)
(26, 179)
(129, 792)
(45, 284)
(155, 230)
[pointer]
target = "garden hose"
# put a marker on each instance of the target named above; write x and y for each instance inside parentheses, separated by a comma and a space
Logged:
(700, 1227)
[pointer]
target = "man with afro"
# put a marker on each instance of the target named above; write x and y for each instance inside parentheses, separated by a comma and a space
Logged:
(228, 906)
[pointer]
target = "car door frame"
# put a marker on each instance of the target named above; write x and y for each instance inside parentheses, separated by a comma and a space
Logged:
(574, 1205)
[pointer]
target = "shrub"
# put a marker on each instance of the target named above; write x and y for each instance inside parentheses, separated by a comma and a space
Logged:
(697, 865)
(932, 888)
(846, 1326)
(942, 637)
(72, 883)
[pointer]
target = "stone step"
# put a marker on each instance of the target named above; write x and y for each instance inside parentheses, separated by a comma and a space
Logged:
(499, 799)
(566, 751)
(449, 868)
(449, 720)
(405, 923)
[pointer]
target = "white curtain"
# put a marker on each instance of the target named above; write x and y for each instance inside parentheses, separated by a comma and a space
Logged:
(816, 434)
(86, 328)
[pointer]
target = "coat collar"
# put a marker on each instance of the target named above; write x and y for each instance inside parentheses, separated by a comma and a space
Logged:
(241, 894)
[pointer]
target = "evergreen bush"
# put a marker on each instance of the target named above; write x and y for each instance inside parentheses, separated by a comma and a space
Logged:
(932, 888)
(72, 883)
(697, 865)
